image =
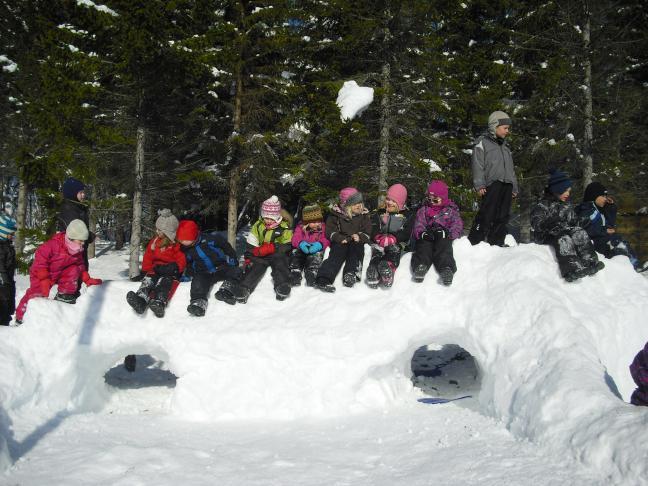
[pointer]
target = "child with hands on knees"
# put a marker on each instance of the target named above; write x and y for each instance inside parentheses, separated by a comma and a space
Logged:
(163, 264)
(437, 224)
(348, 228)
(555, 223)
(59, 261)
(391, 229)
(309, 242)
(268, 245)
(7, 268)
(210, 259)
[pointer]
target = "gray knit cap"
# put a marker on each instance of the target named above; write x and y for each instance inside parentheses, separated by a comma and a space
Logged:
(496, 119)
(167, 223)
(77, 230)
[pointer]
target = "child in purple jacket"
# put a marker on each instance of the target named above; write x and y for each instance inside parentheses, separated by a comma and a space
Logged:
(437, 223)
(639, 372)
(309, 242)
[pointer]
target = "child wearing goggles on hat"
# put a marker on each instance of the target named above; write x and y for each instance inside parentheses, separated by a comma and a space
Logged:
(437, 224)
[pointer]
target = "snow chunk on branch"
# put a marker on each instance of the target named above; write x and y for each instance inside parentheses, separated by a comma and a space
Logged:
(100, 8)
(353, 100)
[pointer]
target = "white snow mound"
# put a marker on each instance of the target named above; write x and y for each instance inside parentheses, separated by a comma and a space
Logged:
(353, 100)
(553, 355)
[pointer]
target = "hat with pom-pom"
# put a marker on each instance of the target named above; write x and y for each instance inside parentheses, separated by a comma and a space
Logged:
(167, 223)
(271, 208)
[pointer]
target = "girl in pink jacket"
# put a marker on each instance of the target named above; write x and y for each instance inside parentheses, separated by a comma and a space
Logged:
(309, 242)
(58, 261)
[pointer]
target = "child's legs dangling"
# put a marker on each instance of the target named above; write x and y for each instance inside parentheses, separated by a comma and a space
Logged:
(442, 255)
(423, 252)
(331, 266)
(568, 260)
(354, 258)
(584, 247)
(279, 263)
(254, 272)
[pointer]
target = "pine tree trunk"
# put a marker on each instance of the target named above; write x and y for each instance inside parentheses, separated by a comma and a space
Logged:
(588, 162)
(385, 122)
(21, 217)
(92, 227)
(237, 171)
(136, 225)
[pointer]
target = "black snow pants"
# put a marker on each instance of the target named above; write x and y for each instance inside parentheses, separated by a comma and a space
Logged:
(493, 215)
(257, 266)
(574, 251)
(201, 283)
(349, 254)
(438, 253)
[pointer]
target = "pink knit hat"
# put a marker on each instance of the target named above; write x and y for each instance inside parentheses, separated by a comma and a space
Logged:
(438, 188)
(398, 194)
(350, 196)
(271, 208)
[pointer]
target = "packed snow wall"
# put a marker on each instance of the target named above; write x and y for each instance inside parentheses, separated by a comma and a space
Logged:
(553, 355)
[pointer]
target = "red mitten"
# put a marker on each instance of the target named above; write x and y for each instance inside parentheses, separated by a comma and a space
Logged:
(45, 286)
(264, 250)
(89, 281)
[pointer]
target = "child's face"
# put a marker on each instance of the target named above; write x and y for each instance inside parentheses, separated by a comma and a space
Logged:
(502, 131)
(314, 226)
(600, 201)
(391, 206)
(357, 208)
(186, 242)
(434, 199)
(268, 221)
(564, 197)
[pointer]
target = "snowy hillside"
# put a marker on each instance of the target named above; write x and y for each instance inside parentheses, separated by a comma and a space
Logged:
(553, 356)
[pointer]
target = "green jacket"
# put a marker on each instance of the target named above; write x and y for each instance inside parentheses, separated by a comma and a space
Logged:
(259, 234)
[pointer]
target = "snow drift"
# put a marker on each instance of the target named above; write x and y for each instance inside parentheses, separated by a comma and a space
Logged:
(553, 355)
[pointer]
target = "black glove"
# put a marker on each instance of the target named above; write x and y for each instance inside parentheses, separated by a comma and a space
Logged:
(434, 234)
(167, 270)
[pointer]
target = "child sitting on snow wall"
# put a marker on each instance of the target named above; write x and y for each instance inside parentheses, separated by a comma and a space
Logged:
(309, 242)
(210, 259)
(7, 268)
(390, 231)
(598, 211)
(436, 225)
(58, 261)
(348, 228)
(555, 223)
(639, 372)
(162, 265)
(268, 245)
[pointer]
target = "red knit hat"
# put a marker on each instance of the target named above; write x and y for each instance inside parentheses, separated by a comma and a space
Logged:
(187, 230)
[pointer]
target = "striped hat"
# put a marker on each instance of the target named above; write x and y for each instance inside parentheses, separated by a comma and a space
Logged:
(312, 214)
(271, 208)
(7, 226)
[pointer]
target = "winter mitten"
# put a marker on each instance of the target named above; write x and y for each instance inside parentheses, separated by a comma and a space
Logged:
(305, 246)
(315, 247)
(89, 281)
(45, 286)
(264, 250)
(440, 233)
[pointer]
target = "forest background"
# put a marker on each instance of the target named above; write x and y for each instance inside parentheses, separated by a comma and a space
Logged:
(208, 107)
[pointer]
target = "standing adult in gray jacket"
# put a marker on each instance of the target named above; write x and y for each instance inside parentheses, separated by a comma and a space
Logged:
(494, 179)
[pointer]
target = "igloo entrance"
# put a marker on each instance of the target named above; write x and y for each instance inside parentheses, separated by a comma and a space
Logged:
(445, 371)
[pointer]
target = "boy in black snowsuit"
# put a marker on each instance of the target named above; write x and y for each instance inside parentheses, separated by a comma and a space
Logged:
(555, 223)
(210, 259)
(7, 269)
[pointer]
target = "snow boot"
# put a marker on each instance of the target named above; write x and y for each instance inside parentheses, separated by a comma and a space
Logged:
(373, 277)
(130, 362)
(295, 278)
(349, 279)
(157, 307)
(282, 291)
(386, 271)
(642, 267)
(241, 294)
(598, 266)
(446, 275)
(419, 273)
(324, 285)
(137, 302)
(66, 298)
(310, 278)
(197, 307)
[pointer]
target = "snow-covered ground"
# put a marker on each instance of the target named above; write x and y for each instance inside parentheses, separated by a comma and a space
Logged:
(318, 390)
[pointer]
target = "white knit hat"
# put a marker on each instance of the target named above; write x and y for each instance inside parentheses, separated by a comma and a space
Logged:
(77, 230)
(167, 223)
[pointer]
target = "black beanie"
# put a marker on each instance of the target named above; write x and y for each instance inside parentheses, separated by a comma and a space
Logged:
(594, 190)
(559, 182)
(71, 187)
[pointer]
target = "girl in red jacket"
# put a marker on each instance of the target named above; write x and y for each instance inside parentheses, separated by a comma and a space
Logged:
(162, 265)
(58, 261)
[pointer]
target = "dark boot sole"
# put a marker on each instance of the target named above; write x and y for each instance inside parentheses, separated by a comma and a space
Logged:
(135, 301)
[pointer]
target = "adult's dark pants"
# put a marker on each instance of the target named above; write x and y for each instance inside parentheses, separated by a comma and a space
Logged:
(256, 269)
(438, 253)
(349, 254)
(493, 215)
(201, 283)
